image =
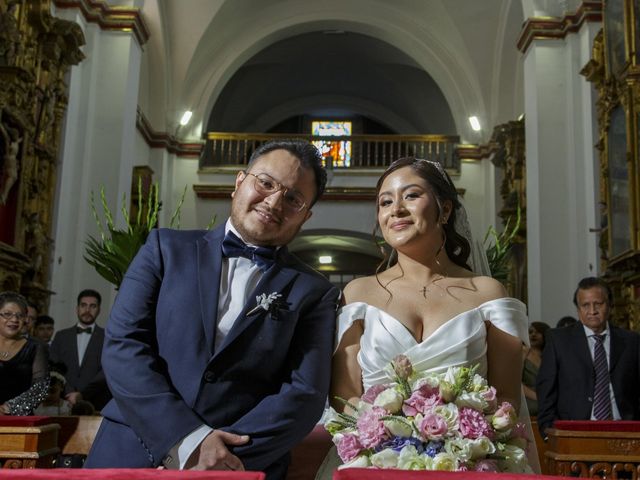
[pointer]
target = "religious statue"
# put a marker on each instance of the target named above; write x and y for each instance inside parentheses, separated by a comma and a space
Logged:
(9, 167)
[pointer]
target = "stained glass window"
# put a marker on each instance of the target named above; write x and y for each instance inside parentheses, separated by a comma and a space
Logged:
(336, 153)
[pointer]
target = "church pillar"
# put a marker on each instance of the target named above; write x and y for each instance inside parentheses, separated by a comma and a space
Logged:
(98, 150)
(562, 171)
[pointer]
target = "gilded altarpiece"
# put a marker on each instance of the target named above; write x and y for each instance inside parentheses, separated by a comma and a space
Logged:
(614, 69)
(508, 141)
(36, 52)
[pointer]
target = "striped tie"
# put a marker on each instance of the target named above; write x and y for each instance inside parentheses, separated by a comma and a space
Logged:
(601, 397)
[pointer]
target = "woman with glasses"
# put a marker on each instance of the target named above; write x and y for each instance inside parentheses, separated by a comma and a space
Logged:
(24, 372)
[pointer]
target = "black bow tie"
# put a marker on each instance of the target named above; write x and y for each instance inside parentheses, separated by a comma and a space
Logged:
(263, 257)
(84, 330)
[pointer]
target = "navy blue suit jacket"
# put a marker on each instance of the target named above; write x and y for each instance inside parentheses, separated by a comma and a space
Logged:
(566, 380)
(269, 379)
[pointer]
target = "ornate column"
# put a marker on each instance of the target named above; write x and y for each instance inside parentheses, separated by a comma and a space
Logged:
(36, 53)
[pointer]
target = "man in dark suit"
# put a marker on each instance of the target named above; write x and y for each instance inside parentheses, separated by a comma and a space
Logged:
(570, 383)
(79, 348)
(218, 353)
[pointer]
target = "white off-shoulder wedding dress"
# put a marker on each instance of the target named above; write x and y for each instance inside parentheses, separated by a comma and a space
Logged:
(462, 340)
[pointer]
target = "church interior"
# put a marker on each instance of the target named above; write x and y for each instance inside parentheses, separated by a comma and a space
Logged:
(117, 116)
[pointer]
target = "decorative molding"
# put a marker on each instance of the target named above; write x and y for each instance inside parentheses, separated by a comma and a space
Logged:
(334, 194)
(164, 140)
(476, 152)
(120, 19)
(555, 28)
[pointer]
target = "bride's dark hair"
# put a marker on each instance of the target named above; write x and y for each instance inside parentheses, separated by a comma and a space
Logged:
(442, 188)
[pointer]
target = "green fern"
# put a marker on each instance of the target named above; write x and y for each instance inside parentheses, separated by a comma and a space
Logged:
(498, 247)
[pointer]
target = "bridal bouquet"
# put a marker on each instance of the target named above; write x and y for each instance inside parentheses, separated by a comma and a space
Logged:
(430, 421)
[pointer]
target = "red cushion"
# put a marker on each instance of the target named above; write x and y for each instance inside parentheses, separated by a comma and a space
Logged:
(598, 425)
(30, 421)
(123, 474)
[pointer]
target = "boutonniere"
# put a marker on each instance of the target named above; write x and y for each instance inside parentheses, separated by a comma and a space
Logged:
(269, 303)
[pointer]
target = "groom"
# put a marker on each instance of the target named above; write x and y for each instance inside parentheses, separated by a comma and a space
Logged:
(218, 354)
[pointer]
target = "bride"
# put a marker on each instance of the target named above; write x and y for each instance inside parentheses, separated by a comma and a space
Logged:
(429, 305)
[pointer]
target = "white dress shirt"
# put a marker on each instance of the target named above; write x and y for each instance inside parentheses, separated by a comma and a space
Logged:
(606, 343)
(82, 340)
(238, 277)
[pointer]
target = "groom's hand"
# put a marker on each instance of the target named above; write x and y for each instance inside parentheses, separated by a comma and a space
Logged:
(213, 454)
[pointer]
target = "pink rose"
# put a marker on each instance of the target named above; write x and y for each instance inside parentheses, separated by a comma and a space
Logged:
(372, 392)
(490, 396)
(486, 466)
(371, 428)
(402, 366)
(422, 401)
(473, 424)
(505, 417)
(433, 426)
(349, 447)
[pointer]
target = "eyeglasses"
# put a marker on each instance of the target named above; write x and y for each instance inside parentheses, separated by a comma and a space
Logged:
(265, 185)
(10, 315)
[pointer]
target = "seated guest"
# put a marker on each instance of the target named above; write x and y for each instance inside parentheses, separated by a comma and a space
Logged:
(566, 322)
(24, 372)
(589, 370)
(43, 329)
(54, 404)
(532, 364)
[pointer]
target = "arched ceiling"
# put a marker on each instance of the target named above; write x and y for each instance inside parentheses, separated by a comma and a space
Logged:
(336, 72)
(464, 50)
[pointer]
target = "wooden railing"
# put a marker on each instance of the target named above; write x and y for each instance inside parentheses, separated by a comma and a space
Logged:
(367, 151)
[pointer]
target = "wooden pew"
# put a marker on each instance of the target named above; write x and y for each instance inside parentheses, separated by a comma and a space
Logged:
(28, 442)
(594, 449)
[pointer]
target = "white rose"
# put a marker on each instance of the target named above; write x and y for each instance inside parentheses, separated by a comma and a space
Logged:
(410, 459)
(473, 399)
(398, 428)
(445, 461)
(460, 448)
(514, 459)
(479, 383)
(386, 458)
(450, 414)
(390, 400)
(361, 461)
(481, 447)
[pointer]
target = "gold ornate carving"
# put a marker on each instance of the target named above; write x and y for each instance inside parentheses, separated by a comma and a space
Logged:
(33, 99)
(614, 73)
(509, 156)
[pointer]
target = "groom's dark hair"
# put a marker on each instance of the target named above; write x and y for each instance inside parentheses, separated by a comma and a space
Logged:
(304, 151)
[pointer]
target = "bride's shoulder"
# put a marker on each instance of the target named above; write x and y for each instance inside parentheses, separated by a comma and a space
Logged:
(486, 289)
(359, 289)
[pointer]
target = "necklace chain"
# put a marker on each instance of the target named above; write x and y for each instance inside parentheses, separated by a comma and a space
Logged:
(426, 289)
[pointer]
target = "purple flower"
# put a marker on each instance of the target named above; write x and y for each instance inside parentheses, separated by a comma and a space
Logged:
(372, 392)
(433, 448)
(473, 424)
(422, 401)
(371, 428)
(486, 466)
(349, 447)
(398, 443)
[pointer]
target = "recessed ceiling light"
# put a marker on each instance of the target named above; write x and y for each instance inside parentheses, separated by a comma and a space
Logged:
(325, 259)
(186, 116)
(475, 123)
